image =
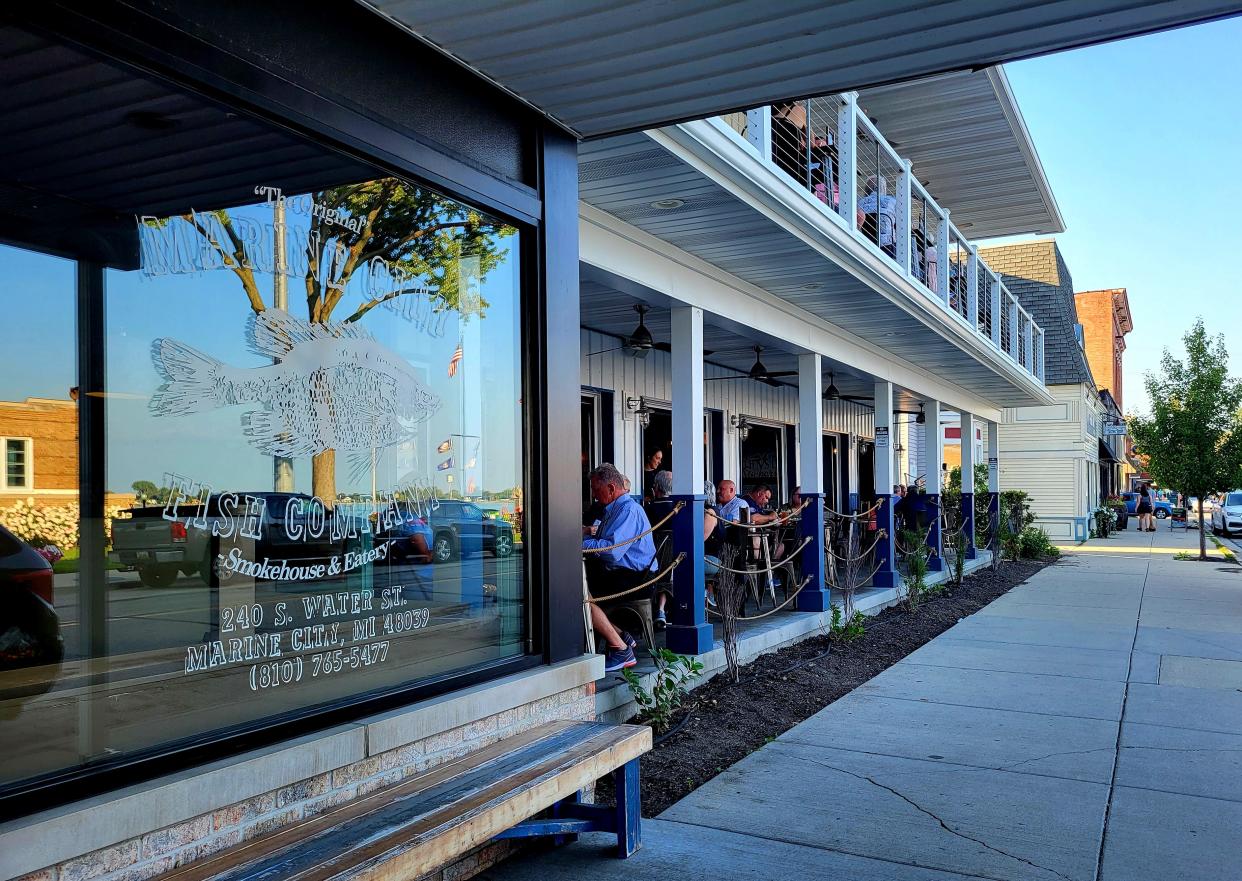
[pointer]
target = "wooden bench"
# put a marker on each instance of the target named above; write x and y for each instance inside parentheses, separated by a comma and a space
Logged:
(423, 823)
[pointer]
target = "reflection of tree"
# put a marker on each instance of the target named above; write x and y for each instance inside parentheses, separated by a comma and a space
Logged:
(419, 235)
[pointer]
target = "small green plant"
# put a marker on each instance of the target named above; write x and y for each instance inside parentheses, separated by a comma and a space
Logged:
(847, 631)
(673, 675)
(1185, 555)
(914, 566)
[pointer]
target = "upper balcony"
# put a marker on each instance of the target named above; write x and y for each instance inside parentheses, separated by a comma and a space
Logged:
(829, 147)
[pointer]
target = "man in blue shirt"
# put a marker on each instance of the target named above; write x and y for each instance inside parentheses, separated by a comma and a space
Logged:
(623, 567)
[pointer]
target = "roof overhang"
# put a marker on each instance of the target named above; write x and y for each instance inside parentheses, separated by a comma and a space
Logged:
(970, 147)
(601, 67)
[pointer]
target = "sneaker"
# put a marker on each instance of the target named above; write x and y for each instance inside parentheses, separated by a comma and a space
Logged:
(619, 659)
(661, 619)
(629, 640)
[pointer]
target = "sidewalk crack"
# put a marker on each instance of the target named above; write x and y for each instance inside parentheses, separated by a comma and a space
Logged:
(943, 825)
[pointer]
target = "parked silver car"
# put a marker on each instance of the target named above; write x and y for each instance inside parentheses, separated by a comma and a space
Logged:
(1227, 518)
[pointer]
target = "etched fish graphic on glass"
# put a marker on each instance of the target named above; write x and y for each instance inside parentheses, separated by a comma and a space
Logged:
(331, 387)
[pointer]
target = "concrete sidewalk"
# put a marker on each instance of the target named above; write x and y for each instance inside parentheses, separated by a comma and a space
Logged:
(1087, 725)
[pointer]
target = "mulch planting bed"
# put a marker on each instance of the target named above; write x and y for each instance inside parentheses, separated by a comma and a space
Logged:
(727, 722)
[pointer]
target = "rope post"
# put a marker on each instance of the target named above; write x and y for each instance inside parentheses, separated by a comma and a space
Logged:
(886, 547)
(968, 523)
(688, 632)
(813, 597)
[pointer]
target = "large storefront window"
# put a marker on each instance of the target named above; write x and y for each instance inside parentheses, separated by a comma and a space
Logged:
(312, 449)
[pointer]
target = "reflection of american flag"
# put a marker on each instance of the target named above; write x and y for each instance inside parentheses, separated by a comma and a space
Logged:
(454, 361)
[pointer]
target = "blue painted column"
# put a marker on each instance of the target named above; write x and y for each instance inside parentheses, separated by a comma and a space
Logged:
(814, 596)
(935, 560)
(886, 548)
(968, 479)
(688, 632)
(933, 445)
(994, 485)
(968, 524)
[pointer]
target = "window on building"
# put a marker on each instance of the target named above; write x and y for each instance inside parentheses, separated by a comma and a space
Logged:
(18, 463)
(312, 425)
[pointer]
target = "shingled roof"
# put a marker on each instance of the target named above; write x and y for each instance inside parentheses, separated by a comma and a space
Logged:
(1035, 273)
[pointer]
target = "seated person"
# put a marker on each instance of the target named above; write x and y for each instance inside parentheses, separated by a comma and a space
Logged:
(878, 215)
(619, 569)
(758, 500)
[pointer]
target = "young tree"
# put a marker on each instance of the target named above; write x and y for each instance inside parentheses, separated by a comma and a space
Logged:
(1193, 438)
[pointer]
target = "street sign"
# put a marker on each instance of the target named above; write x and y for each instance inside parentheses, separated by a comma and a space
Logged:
(1113, 430)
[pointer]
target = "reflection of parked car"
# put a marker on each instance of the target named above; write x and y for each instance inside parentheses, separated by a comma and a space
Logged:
(1227, 518)
(1161, 508)
(160, 549)
(462, 528)
(29, 626)
(411, 541)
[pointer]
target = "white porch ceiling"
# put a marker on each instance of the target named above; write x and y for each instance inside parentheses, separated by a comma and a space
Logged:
(970, 147)
(601, 67)
(607, 309)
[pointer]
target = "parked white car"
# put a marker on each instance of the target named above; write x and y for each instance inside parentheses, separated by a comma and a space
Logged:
(1227, 518)
(1192, 509)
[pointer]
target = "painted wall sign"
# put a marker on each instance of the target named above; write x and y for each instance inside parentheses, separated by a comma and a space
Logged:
(881, 435)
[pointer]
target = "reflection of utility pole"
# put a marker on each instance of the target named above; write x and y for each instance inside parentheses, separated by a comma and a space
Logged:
(282, 468)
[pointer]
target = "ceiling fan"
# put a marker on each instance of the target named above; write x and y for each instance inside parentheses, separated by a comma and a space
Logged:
(639, 343)
(832, 393)
(758, 372)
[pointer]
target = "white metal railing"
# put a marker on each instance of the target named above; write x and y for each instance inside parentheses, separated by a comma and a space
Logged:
(829, 147)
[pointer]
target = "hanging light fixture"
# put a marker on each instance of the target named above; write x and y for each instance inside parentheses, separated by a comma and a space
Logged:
(920, 419)
(832, 393)
(742, 426)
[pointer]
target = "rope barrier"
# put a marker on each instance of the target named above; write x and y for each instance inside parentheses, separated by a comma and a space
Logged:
(659, 577)
(923, 541)
(789, 599)
(676, 507)
(769, 524)
(771, 567)
(861, 515)
(861, 554)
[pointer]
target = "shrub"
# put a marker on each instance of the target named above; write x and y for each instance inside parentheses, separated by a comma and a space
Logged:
(915, 554)
(57, 525)
(673, 675)
(1034, 544)
(847, 631)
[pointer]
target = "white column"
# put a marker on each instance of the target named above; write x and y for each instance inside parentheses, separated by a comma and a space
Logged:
(997, 300)
(810, 419)
(759, 130)
(687, 345)
(885, 470)
(968, 452)
(1028, 343)
(1014, 339)
(1040, 352)
(902, 228)
(972, 287)
(933, 445)
(847, 152)
(942, 247)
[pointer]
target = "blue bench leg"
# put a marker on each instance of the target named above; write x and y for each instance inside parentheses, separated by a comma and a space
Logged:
(563, 809)
(629, 811)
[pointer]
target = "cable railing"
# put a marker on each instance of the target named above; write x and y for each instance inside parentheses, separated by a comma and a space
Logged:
(829, 147)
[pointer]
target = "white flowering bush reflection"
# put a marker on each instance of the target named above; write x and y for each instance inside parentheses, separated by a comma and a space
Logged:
(52, 525)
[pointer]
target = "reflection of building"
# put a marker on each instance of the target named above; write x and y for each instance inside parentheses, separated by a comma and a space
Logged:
(40, 447)
(1052, 451)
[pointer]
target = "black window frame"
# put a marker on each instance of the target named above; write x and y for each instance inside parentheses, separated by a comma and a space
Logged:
(548, 265)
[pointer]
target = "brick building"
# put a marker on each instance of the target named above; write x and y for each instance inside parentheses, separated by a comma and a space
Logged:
(39, 438)
(1105, 318)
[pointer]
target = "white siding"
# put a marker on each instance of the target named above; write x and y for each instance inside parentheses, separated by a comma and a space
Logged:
(651, 377)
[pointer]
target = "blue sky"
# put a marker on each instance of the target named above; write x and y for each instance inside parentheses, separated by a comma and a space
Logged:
(1141, 140)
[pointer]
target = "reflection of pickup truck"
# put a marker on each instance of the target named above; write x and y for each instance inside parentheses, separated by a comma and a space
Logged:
(160, 549)
(463, 529)
(1160, 507)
